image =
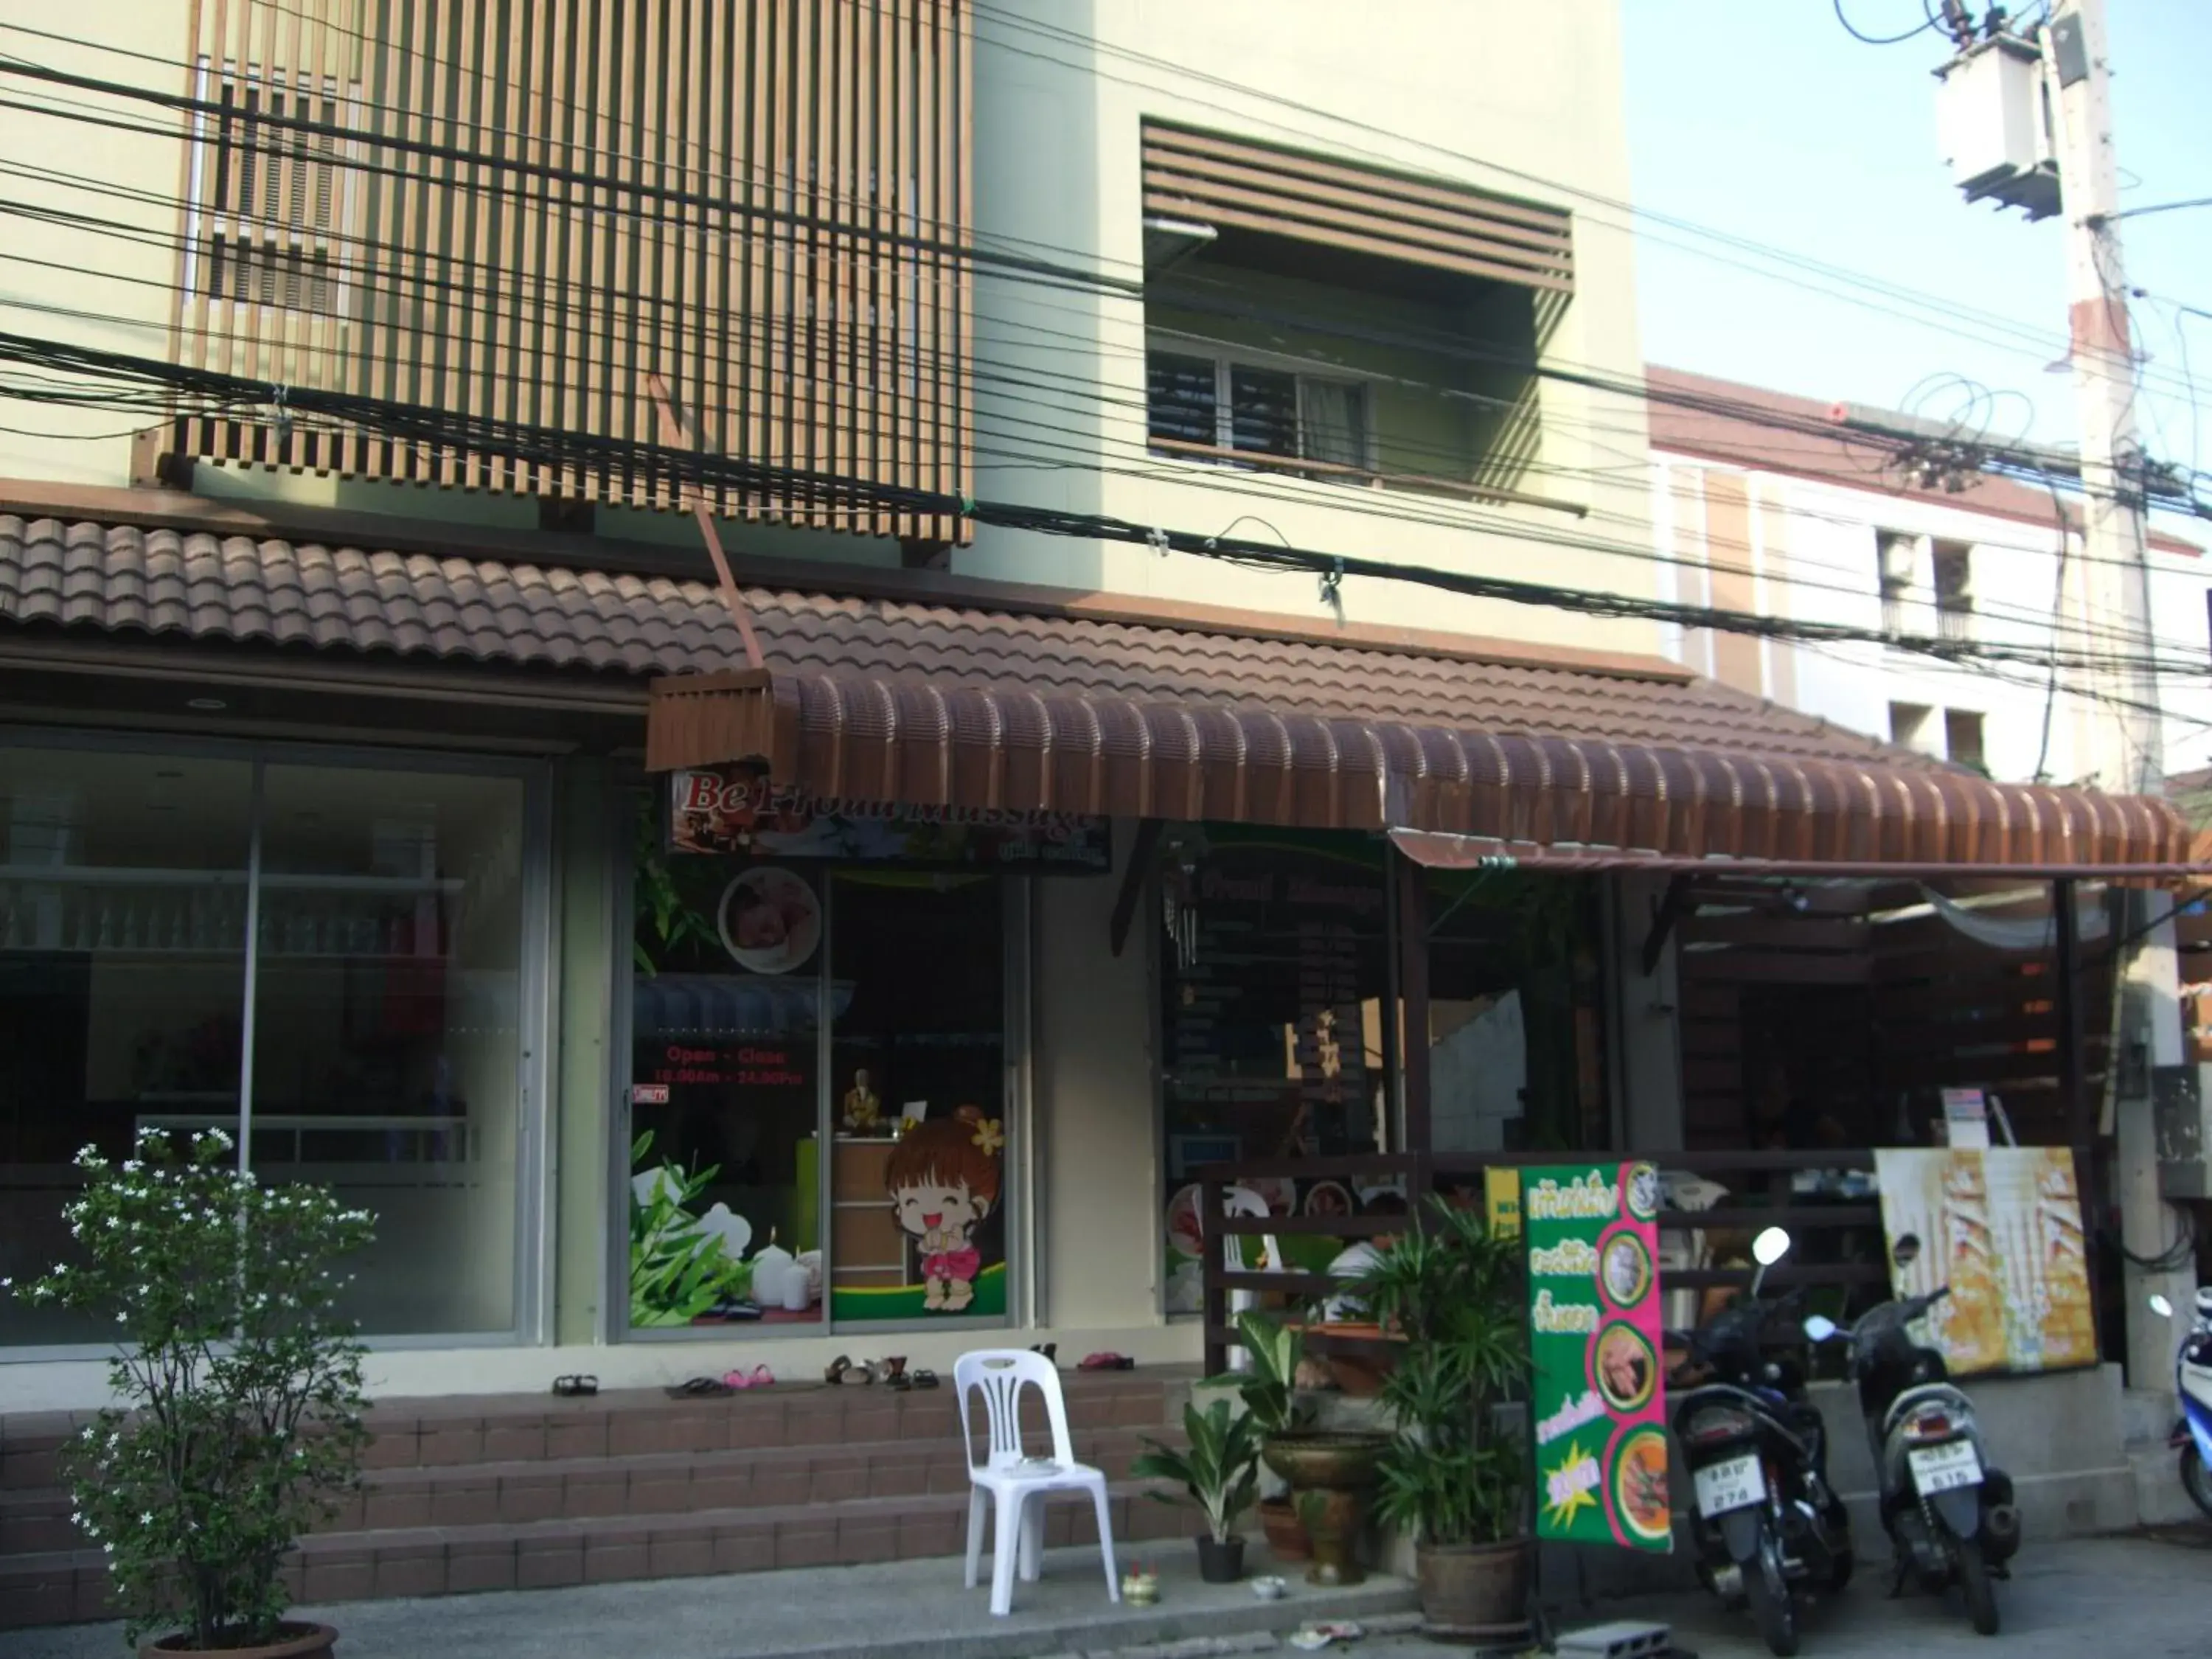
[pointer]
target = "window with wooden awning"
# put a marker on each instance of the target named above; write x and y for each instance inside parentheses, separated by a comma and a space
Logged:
(1210, 177)
(1310, 317)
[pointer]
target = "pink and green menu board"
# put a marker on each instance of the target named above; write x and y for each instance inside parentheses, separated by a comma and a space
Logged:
(1598, 1406)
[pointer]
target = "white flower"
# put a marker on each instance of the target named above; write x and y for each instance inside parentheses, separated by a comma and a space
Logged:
(146, 1519)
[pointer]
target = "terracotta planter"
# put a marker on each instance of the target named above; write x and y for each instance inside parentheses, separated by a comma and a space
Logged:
(294, 1641)
(1330, 1476)
(1286, 1534)
(1221, 1562)
(1471, 1592)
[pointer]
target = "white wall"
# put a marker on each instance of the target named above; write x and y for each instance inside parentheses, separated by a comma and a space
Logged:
(52, 276)
(1533, 90)
(1813, 545)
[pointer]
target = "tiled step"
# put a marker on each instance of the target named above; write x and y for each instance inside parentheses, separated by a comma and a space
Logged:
(665, 1483)
(462, 1494)
(60, 1586)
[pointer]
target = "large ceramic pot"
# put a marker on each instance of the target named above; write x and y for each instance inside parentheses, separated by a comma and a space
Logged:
(1330, 1474)
(1286, 1534)
(299, 1640)
(1473, 1592)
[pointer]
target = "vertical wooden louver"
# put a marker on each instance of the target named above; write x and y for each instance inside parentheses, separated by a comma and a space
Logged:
(516, 209)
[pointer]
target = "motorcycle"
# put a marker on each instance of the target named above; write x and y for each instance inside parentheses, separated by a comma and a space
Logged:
(1765, 1521)
(2192, 1380)
(1948, 1514)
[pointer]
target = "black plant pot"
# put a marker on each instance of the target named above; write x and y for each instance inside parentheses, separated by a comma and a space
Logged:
(1220, 1562)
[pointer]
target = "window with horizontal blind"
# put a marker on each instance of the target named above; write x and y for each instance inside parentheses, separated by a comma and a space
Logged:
(1420, 303)
(1218, 409)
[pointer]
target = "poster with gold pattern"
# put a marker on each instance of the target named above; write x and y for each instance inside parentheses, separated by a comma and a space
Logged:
(2002, 1226)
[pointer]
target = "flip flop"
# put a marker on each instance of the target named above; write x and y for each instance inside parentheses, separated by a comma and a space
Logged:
(700, 1388)
(835, 1370)
(1107, 1362)
(576, 1387)
(761, 1378)
(925, 1379)
(736, 1379)
(1049, 1350)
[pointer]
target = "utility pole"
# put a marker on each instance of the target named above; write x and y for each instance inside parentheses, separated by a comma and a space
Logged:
(2113, 587)
(2112, 583)
(2027, 122)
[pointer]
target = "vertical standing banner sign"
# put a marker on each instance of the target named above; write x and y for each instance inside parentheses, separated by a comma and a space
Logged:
(1597, 1405)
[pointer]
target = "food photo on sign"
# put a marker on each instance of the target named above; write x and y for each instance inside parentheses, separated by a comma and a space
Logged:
(1596, 1391)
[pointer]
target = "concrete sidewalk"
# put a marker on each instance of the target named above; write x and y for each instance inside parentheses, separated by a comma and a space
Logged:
(898, 1610)
(2117, 1598)
(2139, 1597)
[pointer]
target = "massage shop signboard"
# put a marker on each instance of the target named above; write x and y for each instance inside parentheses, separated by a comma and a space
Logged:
(728, 810)
(1596, 1403)
(2002, 1226)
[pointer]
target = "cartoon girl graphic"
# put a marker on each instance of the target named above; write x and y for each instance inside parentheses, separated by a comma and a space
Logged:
(943, 1182)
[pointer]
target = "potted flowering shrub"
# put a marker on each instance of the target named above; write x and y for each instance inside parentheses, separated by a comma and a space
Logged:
(241, 1390)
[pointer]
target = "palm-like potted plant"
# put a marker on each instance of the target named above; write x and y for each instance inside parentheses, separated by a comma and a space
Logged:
(1219, 1472)
(242, 1382)
(1453, 1291)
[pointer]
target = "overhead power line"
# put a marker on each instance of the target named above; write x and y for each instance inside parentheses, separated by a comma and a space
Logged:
(152, 378)
(986, 262)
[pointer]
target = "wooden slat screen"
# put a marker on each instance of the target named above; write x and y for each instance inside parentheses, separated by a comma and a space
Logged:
(730, 192)
(1866, 1014)
(1233, 182)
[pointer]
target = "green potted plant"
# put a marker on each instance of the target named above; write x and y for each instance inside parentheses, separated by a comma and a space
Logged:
(1329, 1471)
(1453, 1292)
(242, 1385)
(1218, 1472)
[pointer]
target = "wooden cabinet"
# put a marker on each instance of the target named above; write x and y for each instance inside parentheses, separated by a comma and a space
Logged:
(867, 1245)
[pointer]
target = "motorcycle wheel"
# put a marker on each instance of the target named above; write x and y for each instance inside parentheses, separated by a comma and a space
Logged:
(1770, 1599)
(2196, 1478)
(1974, 1584)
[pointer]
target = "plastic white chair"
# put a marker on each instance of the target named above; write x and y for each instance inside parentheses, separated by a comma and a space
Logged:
(1244, 1201)
(1017, 1487)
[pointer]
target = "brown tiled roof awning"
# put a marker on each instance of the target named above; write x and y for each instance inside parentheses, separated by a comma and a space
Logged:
(904, 687)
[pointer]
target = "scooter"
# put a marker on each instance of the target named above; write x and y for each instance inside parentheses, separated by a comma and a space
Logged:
(1765, 1521)
(1949, 1514)
(2192, 1380)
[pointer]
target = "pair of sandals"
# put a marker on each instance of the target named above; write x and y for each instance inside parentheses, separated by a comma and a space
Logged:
(891, 1372)
(718, 1387)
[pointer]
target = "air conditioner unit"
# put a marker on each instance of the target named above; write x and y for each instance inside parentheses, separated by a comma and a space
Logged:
(1993, 121)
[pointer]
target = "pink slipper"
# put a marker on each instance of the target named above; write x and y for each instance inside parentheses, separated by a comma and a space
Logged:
(738, 1379)
(762, 1378)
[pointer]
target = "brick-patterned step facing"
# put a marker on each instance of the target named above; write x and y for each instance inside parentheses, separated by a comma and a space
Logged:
(57, 1588)
(665, 1483)
(484, 1494)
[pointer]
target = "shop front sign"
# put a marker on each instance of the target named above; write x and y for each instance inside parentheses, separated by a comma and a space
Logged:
(729, 810)
(2002, 1226)
(1597, 1404)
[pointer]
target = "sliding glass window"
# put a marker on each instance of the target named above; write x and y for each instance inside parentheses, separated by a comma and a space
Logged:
(327, 958)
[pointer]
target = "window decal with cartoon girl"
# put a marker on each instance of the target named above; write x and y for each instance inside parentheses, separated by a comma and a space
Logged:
(943, 1177)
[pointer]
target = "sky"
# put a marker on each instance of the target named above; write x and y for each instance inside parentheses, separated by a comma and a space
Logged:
(1764, 120)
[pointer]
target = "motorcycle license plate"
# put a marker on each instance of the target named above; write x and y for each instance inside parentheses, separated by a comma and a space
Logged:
(1736, 1483)
(1940, 1468)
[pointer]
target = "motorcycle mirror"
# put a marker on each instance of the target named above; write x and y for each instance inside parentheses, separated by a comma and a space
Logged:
(1906, 1251)
(1820, 1328)
(1770, 1246)
(2160, 1306)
